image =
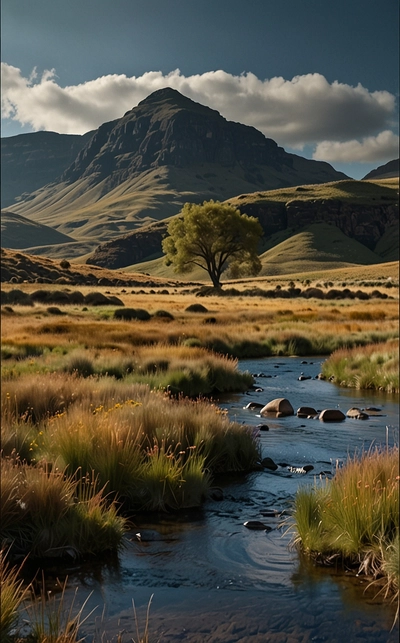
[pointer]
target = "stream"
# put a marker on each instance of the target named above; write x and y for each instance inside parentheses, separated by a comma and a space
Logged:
(213, 580)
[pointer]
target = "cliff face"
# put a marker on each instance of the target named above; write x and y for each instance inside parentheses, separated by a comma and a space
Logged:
(133, 248)
(365, 223)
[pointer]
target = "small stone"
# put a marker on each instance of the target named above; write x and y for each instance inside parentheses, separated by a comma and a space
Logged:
(256, 525)
(268, 463)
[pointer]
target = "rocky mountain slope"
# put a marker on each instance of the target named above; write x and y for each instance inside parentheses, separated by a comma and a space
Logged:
(387, 171)
(30, 161)
(143, 167)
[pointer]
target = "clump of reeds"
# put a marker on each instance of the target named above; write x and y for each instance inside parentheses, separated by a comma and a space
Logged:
(150, 450)
(54, 619)
(374, 366)
(12, 596)
(47, 513)
(354, 517)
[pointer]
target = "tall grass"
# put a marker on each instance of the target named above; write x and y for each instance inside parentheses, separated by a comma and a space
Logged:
(374, 366)
(47, 513)
(12, 596)
(53, 619)
(111, 442)
(354, 517)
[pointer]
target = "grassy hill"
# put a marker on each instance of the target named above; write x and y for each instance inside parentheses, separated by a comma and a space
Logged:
(19, 232)
(350, 191)
(318, 247)
(317, 244)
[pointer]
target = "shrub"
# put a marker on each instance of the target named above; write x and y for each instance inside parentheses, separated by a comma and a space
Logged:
(196, 308)
(132, 313)
(19, 297)
(53, 310)
(164, 314)
(80, 364)
(316, 293)
(65, 264)
(98, 299)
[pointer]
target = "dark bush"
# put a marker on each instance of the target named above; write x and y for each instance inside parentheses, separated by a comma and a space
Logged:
(334, 294)
(98, 299)
(208, 291)
(40, 295)
(58, 297)
(210, 320)
(4, 297)
(196, 308)
(360, 294)
(164, 314)
(115, 301)
(132, 313)
(19, 297)
(76, 297)
(378, 294)
(316, 293)
(53, 310)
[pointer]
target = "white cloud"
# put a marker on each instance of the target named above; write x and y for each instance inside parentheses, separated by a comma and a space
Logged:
(307, 110)
(369, 150)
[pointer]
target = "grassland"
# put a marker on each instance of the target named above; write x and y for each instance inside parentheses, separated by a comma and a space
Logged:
(94, 426)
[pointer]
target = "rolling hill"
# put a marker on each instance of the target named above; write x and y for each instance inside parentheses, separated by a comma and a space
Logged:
(365, 212)
(19, 232)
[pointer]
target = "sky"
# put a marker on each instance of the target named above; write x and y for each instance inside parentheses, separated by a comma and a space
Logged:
(320, 78)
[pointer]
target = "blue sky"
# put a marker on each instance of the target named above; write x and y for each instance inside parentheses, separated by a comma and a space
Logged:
(320, 78)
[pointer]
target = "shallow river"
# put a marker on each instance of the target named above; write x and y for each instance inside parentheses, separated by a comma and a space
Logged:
(211, 578)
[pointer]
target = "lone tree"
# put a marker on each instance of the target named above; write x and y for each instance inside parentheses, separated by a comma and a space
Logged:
(213, 236)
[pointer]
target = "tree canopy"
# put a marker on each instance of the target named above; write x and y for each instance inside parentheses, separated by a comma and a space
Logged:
(213, 236)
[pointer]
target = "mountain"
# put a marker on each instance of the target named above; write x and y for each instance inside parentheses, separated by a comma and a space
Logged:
(364, 211)
(30, 161)
(20, 232)
(387, 171)
(143, 167)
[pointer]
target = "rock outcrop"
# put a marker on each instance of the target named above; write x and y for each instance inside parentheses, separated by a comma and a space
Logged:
(365, 223)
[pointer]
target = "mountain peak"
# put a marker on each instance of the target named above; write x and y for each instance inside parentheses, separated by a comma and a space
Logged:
(160, 95)
(170, 129)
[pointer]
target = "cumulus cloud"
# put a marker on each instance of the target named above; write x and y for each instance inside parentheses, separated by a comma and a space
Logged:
(306, 110)
(370, 149)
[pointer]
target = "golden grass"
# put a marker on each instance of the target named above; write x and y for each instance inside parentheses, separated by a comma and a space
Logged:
(374, 366)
